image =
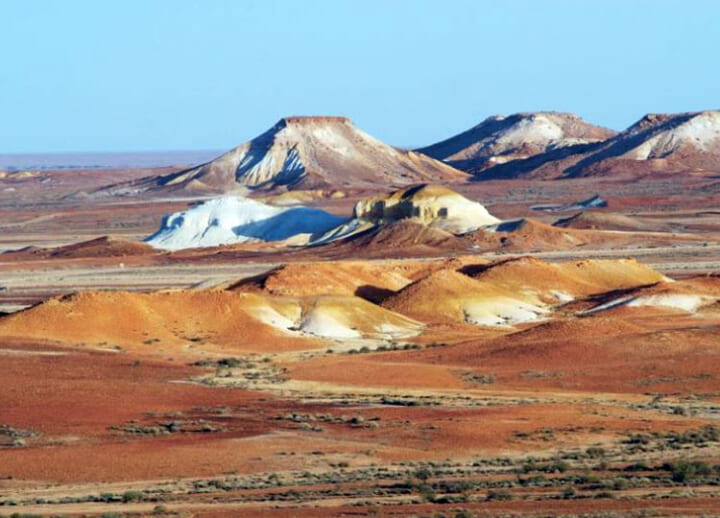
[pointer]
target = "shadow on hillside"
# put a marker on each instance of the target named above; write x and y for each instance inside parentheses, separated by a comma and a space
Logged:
(373, 293)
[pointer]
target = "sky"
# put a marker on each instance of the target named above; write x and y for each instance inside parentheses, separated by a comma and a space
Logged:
(166, 75)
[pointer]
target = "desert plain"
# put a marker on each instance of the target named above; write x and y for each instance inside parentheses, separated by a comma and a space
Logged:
(520, 321)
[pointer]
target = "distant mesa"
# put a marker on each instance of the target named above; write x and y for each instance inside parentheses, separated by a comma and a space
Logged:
(314, 119)
(504, 139)
(327, 153)
(301, 153)
(656, 144)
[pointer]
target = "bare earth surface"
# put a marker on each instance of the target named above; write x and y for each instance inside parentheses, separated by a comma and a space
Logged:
(405, 373)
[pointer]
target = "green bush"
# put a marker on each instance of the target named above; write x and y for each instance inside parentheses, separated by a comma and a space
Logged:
(687, 471)
(132, 496)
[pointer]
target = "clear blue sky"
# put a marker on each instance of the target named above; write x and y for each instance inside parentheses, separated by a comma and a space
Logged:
(146, 75)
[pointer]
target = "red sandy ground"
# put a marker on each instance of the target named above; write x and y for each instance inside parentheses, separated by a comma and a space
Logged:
(72, 399)
(612, 360)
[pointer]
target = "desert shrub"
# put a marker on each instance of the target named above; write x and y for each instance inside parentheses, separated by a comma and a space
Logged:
(132, 496)
(638, 439)
(422, 474)
(426, 492)
(229, 362)
(498, 495)
(638, 466)
(708, 433)
(454, 486)
(595, 452)
(557, 466)
(619, 484)
(687, 471)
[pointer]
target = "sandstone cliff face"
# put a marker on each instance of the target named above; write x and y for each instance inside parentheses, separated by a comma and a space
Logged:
(427, 204)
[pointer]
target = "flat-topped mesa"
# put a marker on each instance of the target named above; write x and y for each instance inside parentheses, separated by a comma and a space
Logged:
(303, 152)
(313, 119)
(652, 119)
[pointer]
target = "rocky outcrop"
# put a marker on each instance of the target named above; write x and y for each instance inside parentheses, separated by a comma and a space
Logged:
(302, 153)
(501, 139)
(656, 144)
(428, 204)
